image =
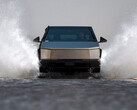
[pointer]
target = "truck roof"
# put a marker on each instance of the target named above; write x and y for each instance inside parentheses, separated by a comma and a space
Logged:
(69, 26)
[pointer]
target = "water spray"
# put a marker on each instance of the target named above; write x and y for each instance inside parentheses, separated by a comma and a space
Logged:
(17, 54)
(120, 58)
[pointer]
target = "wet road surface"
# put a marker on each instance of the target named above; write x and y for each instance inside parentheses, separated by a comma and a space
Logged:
(67, 94)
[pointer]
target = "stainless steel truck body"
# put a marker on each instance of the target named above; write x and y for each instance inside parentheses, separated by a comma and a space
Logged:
(69, 48)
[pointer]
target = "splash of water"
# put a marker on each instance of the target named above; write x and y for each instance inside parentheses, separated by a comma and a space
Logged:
(17, 54)
(120, 59)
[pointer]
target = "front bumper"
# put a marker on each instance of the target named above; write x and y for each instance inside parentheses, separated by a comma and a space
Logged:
(69, 65)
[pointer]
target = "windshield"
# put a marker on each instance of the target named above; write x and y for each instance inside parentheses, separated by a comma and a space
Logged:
(69, 34)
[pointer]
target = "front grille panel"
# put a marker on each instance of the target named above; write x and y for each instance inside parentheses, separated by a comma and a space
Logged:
(70, 54)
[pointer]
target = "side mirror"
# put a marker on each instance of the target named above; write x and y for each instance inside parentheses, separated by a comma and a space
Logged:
(37, 39)
(102, 40)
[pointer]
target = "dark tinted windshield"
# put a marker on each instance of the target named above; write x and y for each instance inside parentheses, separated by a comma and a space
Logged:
(69, 34)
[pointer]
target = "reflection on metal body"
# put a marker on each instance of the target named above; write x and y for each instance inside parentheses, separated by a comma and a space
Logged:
(70, 54)
(65, 54)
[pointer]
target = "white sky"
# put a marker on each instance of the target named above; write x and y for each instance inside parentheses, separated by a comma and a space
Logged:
(105, 16)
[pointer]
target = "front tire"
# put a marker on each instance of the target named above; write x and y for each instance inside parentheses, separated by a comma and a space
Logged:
(41, 69)
(96, 75)
(95, 72)
(44, 75)
(43, 72)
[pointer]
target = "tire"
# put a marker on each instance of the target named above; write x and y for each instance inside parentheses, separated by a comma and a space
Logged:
(41, 69)
(96, 75)
(96, 70)
(43, 72)
(44, 75)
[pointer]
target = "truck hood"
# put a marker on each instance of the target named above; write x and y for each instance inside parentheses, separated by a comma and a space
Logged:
(70, 45)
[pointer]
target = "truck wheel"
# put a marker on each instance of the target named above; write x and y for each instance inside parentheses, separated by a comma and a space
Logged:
(44, 75)
(96, 75)
(41, 69)
(96, 70)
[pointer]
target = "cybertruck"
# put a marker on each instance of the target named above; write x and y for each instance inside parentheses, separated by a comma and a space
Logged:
(69, 48)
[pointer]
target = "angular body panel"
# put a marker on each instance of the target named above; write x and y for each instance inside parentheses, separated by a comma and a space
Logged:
(66, 48)
(70, 54)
